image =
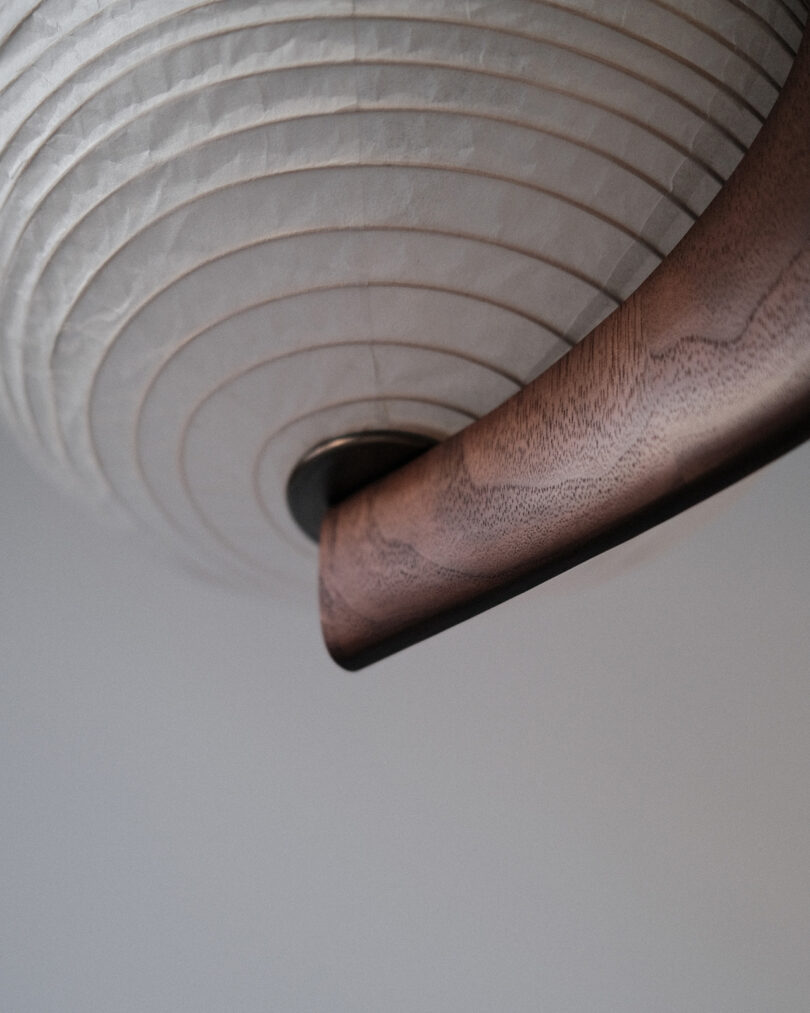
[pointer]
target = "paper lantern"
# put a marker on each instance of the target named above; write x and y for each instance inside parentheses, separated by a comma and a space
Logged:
(230, 231)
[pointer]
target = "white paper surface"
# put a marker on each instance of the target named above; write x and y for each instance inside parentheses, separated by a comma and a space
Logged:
(229, 231)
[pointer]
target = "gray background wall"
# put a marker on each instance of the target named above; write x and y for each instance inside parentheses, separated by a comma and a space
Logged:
(594, 798)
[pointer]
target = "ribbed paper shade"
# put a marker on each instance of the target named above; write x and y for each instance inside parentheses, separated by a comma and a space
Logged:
(230, 230)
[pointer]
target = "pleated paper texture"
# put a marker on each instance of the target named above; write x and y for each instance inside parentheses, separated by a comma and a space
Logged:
(230, 230)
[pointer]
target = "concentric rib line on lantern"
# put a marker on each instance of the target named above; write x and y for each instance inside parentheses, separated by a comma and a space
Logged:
(178, 349)
(193, 8)
(156, 499)
(438, 109)
(181, 441)
(663, 50)
(370, 230)
(181, 462)
(786, 7)
(326, 288)
(396, 283)
(154, 56)
(450, 352)
(106, 48)
(228, 252)
(256, 481)
(702, 114)
(50, 44)
(565, 137)
(785, 45)
(622, 30)
(418, 166)
(578, 97)
(721, 40)
(180, 14)
(194, 542)
(220, 536)
(617, 113)
(599, 152)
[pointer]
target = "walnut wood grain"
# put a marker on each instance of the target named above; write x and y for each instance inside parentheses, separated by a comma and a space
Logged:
(698, 378)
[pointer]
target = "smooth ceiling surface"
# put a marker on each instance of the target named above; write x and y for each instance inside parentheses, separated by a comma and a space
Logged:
(229, 231)
(592, 799)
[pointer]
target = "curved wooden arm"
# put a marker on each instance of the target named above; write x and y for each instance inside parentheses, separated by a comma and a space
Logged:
(697, 379)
